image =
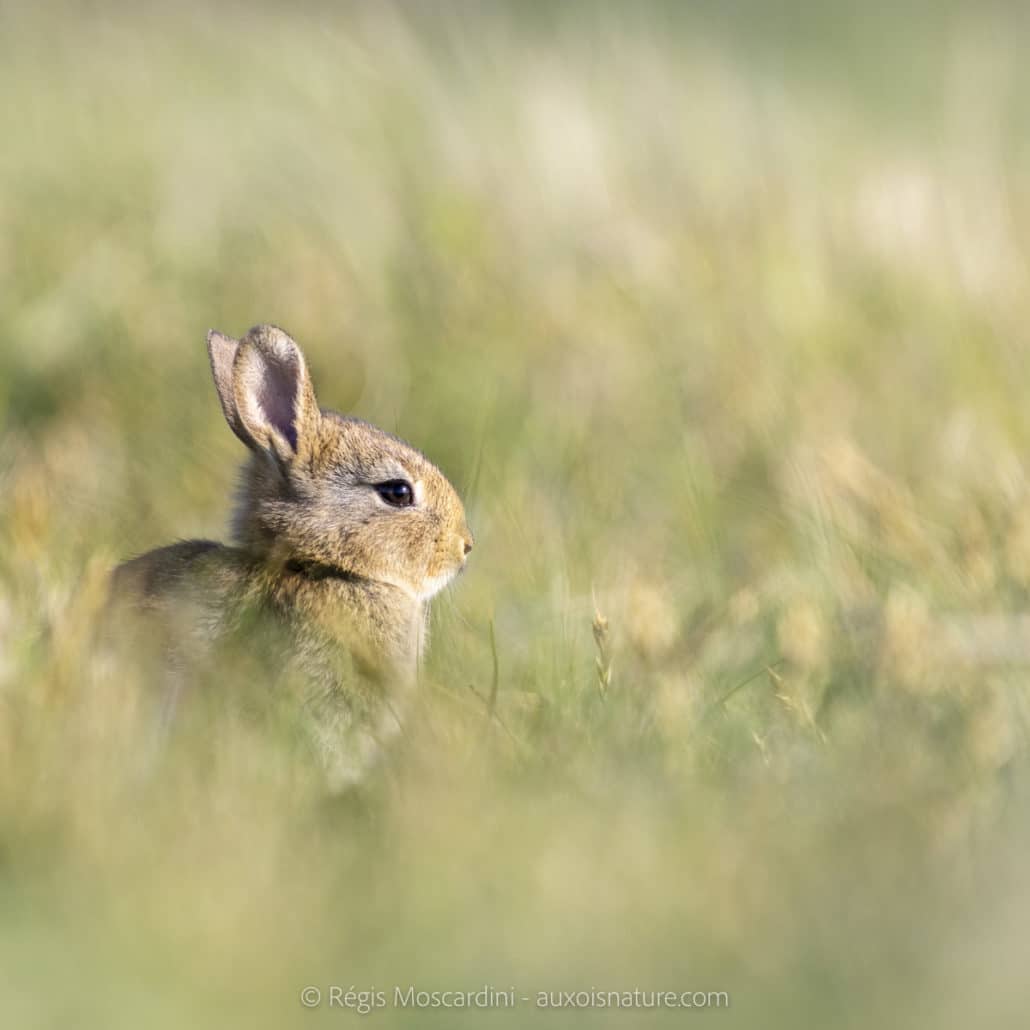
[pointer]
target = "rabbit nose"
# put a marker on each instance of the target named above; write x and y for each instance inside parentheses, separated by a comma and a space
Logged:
(468, 542)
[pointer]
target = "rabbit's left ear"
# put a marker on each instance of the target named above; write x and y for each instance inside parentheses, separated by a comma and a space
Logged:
(274, 400)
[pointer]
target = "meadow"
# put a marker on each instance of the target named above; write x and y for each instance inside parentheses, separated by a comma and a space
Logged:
(717, 317)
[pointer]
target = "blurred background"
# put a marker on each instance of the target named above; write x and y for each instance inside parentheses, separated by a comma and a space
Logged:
(716, 315)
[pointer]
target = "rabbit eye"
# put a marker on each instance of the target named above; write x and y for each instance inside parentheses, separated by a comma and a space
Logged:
(397, 492)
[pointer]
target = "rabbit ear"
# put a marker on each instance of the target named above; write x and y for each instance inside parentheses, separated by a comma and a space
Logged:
(221, 350)
(274, 399)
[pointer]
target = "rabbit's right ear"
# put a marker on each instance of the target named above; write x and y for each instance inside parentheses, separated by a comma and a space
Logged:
(221, 350)
(266, 392)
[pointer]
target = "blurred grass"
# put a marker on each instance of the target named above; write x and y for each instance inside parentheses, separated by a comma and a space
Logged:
(717, 316)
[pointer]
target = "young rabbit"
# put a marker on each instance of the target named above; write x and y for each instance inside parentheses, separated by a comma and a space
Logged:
(342, 535)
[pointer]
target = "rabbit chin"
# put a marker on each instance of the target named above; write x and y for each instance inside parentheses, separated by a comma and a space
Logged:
(432, 585)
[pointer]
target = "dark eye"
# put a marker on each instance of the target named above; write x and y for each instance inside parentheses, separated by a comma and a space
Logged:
(397, 492)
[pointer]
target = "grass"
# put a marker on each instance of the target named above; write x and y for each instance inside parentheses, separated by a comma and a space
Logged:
(718, 320)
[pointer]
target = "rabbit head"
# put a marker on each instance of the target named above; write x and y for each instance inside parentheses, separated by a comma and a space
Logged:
(322, 491)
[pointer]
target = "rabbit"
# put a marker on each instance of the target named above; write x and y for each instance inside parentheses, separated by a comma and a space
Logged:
(342, 534)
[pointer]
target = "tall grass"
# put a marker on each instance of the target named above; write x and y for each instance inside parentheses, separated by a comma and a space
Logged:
(718, 320)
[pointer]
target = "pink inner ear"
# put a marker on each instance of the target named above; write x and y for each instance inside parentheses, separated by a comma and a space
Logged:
(278, 397)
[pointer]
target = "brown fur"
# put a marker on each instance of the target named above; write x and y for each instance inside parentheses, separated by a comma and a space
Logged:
(317, 549)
